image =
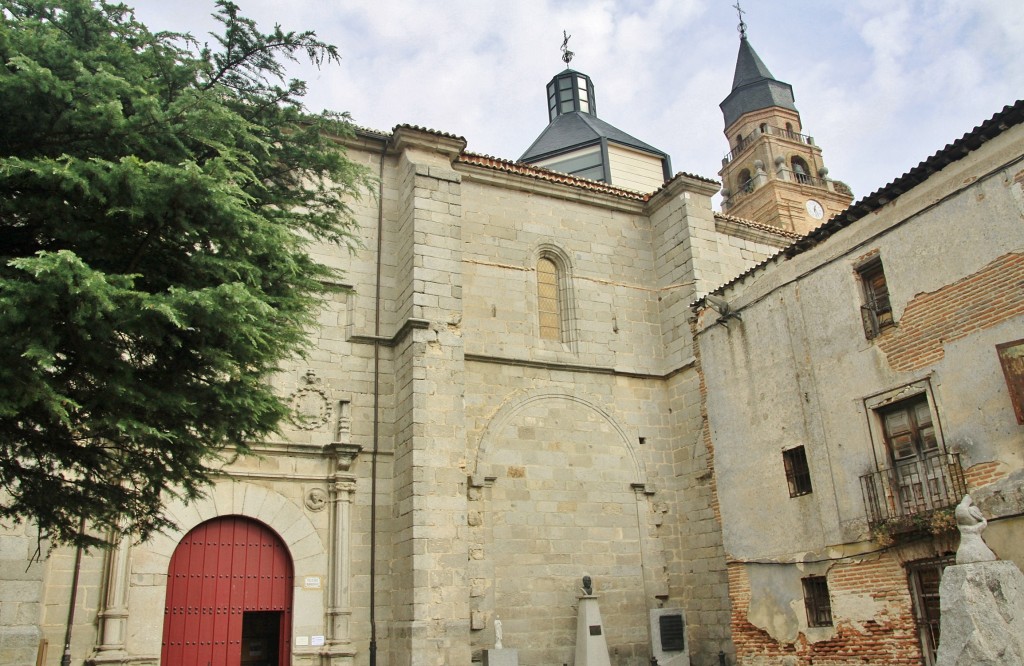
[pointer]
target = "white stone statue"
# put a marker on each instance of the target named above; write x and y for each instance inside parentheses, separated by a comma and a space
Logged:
(971, 523)
(497, 632)
(982, 601)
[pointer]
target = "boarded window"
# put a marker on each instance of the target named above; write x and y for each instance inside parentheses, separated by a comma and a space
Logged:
(548, 300)
(817, 601)
(1011, 356)
(876, 311)
(798, 474)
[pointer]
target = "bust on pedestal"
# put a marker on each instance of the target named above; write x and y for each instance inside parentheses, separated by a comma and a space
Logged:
(591, 645)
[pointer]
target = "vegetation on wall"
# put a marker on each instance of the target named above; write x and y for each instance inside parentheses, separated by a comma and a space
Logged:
(935, 523)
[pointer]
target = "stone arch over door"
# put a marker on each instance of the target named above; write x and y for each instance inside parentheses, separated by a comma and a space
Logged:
(559, 500)
(150, 560)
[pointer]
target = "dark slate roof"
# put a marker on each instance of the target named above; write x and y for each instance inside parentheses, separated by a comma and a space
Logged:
(1008, 117)
(754, 87)
(570, 131)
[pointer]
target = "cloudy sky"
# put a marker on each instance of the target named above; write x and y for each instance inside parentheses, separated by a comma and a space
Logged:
(880, 84)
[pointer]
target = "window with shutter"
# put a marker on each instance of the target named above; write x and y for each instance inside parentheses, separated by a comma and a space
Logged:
(876, 311)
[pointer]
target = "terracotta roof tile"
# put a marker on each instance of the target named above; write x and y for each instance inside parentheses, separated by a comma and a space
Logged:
(541, 173)
(757, 225)
(429, 131)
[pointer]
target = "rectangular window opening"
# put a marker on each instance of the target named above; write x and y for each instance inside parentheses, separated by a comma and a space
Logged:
(876, 311)
(919, 473)
(925, 576)
(817, 601)
(798, 474)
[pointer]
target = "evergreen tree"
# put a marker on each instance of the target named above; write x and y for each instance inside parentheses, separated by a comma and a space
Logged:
(157, 202)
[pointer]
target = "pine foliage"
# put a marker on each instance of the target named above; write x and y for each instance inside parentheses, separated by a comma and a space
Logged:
(158, 199)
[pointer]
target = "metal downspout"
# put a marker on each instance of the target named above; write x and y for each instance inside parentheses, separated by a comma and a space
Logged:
(65, 659)
(376, 410)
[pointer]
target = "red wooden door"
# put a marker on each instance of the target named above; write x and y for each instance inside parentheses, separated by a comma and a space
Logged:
(221, 569)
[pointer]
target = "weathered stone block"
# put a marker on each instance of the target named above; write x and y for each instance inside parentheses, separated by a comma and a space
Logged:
(982, 610)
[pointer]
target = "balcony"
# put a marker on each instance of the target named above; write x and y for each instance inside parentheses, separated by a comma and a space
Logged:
(908, 493)
(770, 130)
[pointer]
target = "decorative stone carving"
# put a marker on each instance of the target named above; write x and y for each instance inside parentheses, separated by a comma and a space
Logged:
(343, 429)
(311, 410)
(316, 499)
(344, 455)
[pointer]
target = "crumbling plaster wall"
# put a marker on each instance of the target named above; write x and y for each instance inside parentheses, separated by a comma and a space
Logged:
(796, 369)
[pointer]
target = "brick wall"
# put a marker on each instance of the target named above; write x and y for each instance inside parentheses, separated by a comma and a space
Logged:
(879, 586)
(983, 474)
(979, 301)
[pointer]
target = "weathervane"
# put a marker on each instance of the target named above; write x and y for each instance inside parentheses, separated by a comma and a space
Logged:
(742, 27)
(566, 53)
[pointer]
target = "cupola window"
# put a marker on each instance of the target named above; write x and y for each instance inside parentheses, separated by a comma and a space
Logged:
(570, 91)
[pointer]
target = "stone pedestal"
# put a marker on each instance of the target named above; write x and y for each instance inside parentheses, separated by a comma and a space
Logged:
(591, 644)
(982, 606)
(502, 657)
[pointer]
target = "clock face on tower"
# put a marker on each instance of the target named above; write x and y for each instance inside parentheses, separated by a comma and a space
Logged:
(815, 209)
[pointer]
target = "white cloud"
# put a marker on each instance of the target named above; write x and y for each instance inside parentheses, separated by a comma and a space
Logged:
(880, 84)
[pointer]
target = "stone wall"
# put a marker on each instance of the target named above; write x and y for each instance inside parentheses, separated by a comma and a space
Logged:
(508, 465)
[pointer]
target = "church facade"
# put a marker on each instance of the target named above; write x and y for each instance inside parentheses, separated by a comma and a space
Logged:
(513, 391)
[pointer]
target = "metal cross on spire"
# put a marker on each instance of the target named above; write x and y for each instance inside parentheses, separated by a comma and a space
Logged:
(742, 27)
(566, 53)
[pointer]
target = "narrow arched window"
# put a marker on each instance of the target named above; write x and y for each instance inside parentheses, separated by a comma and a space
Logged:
(549, 304)
(744, 183)
(801, 172)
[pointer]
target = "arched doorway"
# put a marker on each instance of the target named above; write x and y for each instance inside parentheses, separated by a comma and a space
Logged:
(229, 597)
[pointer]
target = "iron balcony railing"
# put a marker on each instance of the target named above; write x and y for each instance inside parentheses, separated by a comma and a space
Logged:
(768, 129)
(913, 487)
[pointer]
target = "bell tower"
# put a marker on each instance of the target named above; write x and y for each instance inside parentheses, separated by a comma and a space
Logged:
(774, 174)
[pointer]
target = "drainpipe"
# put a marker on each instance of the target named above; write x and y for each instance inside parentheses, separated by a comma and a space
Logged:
(65, 660)
(376, 410)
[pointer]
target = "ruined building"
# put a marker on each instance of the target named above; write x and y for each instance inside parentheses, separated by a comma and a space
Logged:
(517, 392)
